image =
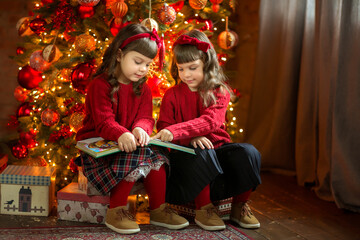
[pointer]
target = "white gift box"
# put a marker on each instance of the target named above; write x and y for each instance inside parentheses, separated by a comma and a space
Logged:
(27, 190)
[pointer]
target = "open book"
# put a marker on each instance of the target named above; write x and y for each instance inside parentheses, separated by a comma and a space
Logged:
(99, 147)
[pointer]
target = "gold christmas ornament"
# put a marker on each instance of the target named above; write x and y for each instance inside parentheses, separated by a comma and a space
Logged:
(227, 39)
(150, 23)
(119, 9)
(76, 121)
(197, 4)
(51, 53)
(85, 43)
(23, 27)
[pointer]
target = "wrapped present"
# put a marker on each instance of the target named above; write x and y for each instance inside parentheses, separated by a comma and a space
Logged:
(188, 210)
(75, 205)
(27, 190)
(3, 162)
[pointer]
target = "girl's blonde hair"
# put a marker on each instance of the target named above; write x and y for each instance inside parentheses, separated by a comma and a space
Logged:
(144, 46)
(214, 76)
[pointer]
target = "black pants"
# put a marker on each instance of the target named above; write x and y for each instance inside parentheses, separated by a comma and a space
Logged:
(231, 169)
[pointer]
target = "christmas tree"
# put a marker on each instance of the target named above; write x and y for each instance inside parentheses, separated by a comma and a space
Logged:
(63, 43)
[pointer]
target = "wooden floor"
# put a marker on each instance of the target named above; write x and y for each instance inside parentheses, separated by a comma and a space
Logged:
(285, 211)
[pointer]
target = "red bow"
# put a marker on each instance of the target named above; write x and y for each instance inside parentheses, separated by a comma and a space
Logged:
(185, 39)
(154, 37)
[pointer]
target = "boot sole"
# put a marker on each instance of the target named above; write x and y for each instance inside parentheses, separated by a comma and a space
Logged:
(245, 225)
(210, 228)
(122, 231)
(169, 226)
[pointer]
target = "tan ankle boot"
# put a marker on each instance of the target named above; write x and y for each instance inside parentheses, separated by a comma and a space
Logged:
(164, 216)
(242, 215)
(208, 219)
(120, 220)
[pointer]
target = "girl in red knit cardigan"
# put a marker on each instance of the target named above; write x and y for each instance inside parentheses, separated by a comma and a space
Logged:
(193, 112)
(119, 108)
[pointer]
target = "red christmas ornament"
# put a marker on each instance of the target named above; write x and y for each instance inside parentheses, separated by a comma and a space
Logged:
(86, 12)
(20, 50)
(24, 110)
(28, 139)
(153, 83)
(19, 150)
(237, 93)
(115, 28)
(216, 6)
(222, 58)
(50, 117)
(178, 5)
(166, 14)
(37, 25)
(88, 3)
(80, 76)
(20, 94)
(29, 78)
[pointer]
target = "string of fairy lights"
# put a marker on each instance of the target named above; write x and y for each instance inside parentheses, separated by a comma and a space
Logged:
(50, 100)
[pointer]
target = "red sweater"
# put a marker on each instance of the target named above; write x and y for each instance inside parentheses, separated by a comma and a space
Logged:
(110, 120)
(184, 115)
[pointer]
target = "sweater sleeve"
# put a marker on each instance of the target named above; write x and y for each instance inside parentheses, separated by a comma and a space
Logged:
(144, 117)
(167, 111)
(101, 109)
(212, 118)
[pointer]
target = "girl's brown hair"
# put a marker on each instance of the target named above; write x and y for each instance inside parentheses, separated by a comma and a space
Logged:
(144, 46)
(214, 76)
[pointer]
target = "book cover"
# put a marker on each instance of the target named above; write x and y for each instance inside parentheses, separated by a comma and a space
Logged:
(99, 147)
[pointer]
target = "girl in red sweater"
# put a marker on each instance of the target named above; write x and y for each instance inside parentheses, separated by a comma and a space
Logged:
(119, 108)
(193, 113)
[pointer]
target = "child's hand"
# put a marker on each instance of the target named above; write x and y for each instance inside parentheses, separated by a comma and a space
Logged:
(202, 142)
(164, 135)
(127, 142)
(141, 136)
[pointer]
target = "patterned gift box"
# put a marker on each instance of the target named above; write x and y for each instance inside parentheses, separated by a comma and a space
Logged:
(27, 190)
(223, 207)
(75, 205)
(3, 162)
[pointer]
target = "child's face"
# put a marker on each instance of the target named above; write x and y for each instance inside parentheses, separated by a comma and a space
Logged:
(192, 73)
(134, 66)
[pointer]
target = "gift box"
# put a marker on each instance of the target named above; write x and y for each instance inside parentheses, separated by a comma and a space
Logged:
(27, 190)
(3, 162)
(75, 205)
(188, 210)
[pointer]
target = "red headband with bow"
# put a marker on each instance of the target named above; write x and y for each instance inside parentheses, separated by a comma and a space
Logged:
(185, 39)
(154, 37)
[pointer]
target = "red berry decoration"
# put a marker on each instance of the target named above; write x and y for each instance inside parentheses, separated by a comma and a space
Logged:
(20, 50)
(29, 78)
(19, 151)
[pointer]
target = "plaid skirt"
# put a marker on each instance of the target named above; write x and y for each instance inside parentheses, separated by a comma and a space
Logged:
(106, 172)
